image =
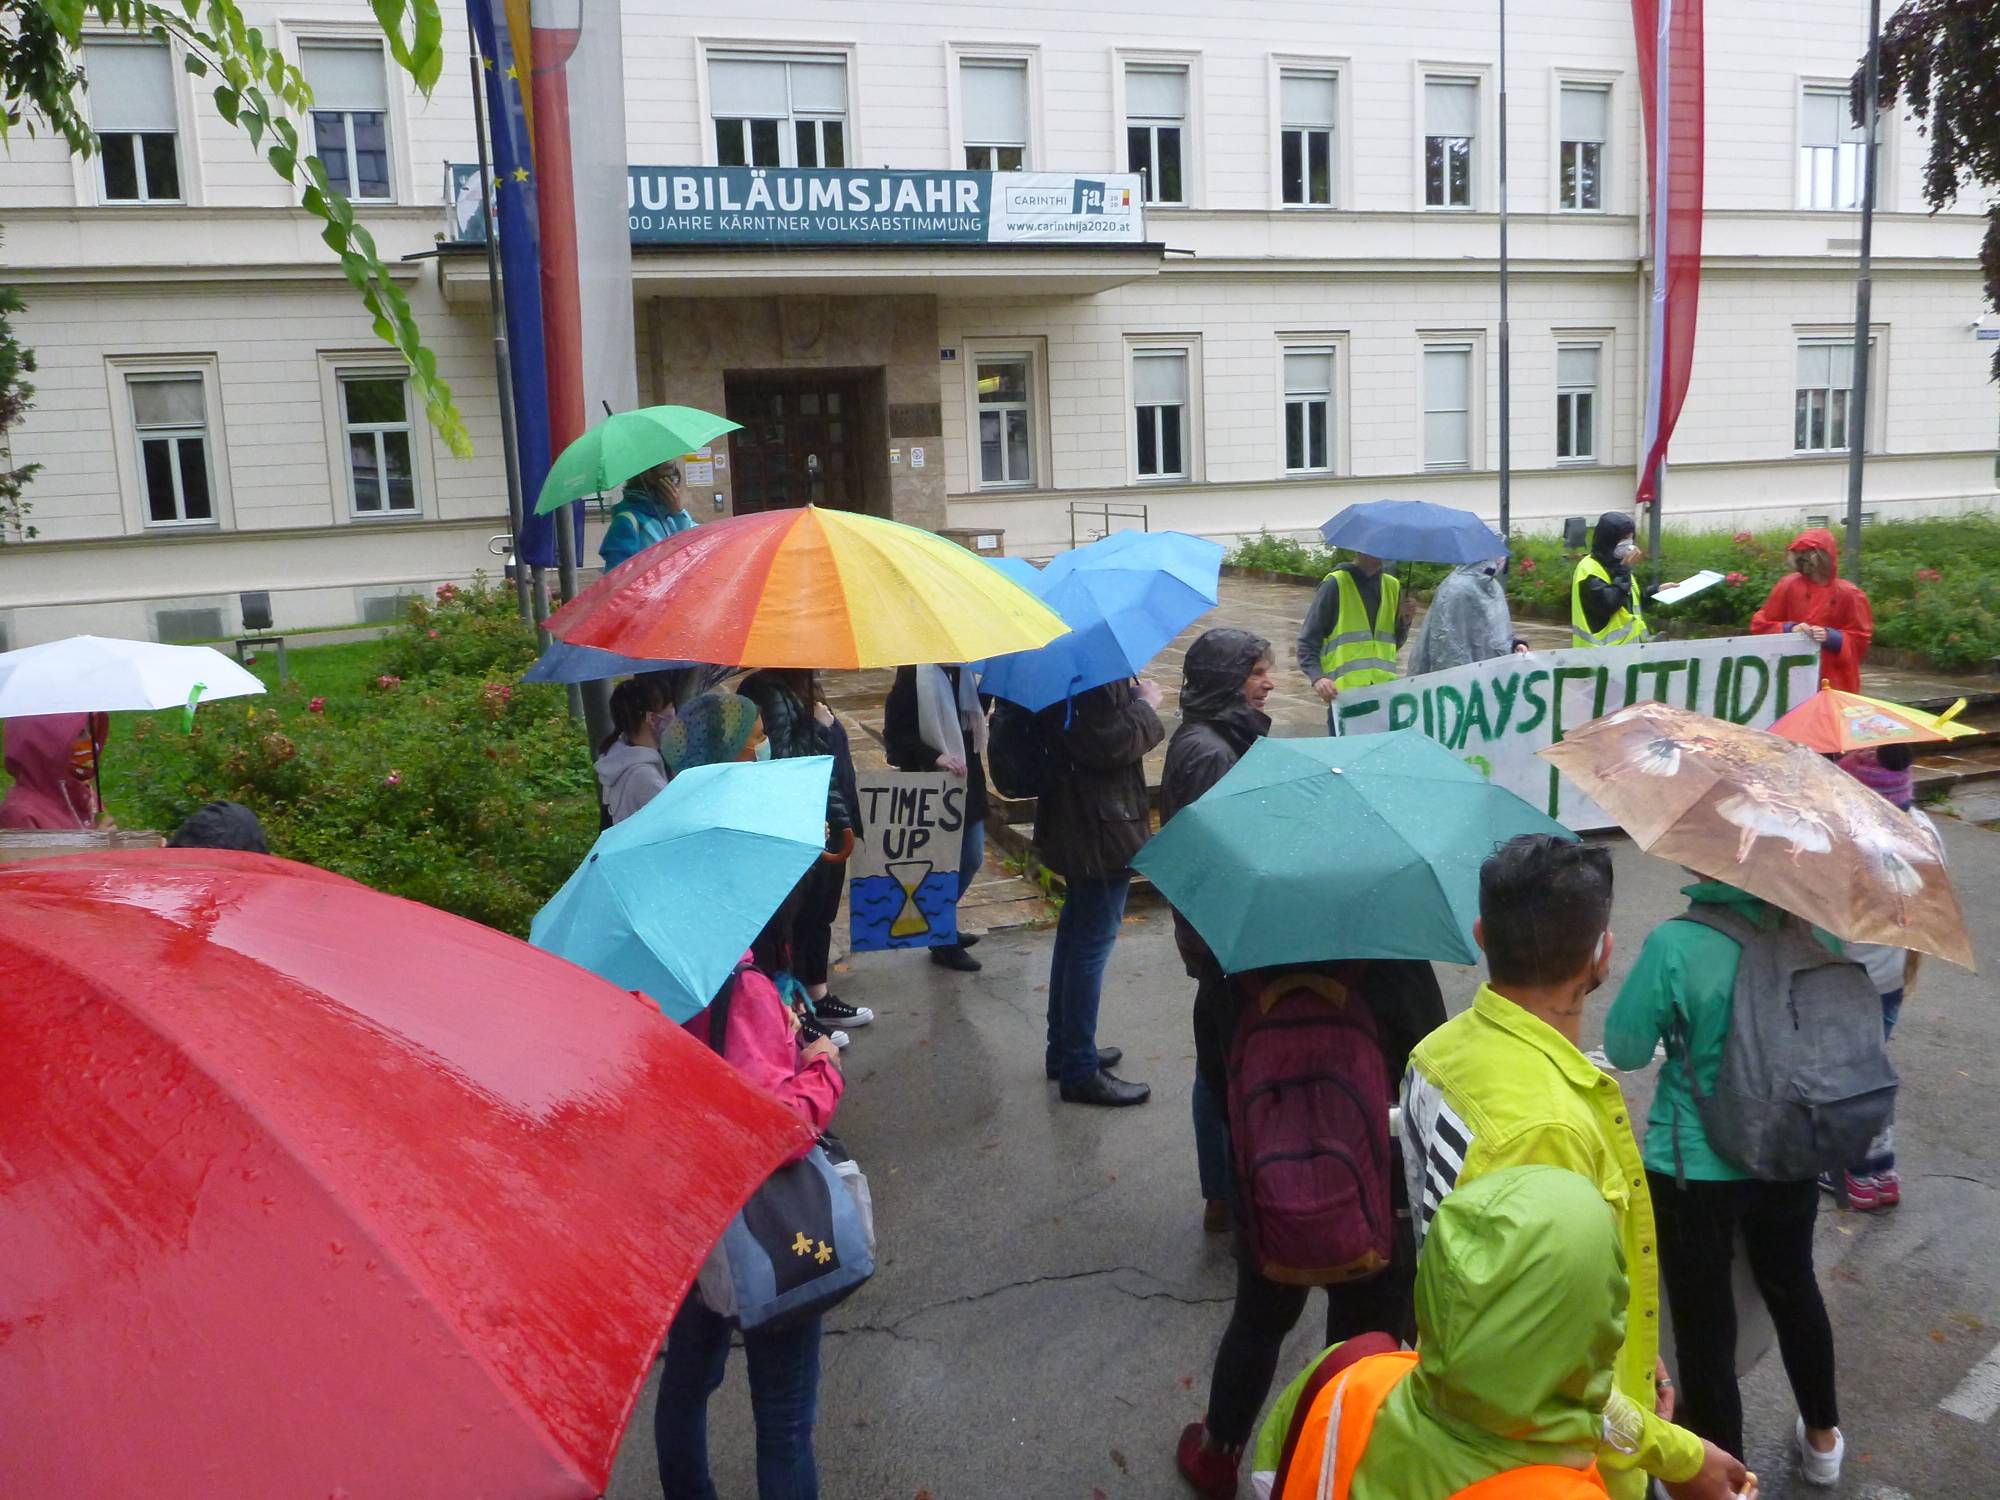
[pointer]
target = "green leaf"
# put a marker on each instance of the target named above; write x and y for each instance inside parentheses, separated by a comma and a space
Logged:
(284, 159)
(335, 236)
(252, 120)
(228, 103)
(421, 52)
(193, 63)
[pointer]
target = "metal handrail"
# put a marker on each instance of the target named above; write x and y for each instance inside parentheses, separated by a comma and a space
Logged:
(1107, 513)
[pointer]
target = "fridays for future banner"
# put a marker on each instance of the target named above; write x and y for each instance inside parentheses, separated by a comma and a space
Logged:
(1498, 713)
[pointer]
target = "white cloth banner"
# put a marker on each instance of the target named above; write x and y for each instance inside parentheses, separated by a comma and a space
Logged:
(1498, 713)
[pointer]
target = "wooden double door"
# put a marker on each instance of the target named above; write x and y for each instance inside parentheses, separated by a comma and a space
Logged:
(800, 443)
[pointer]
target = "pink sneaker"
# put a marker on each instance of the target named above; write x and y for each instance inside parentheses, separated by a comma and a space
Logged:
(1212, 1471)
(1889, 1188)
(1860, 1193)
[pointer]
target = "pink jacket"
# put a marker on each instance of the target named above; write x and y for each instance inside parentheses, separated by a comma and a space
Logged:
(52, 758)
(762, 1045)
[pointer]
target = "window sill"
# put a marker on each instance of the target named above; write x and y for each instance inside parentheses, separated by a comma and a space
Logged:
(1153, 481)
(179, 528)
(1449, 208)
(378, 517)
(1581, 213)
(1296, 474)
(1309, 208)
(1579, 463)
(1004, 487)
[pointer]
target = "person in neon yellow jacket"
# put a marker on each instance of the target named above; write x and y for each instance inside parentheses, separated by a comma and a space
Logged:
(1504, 1084)
(1520, 1315)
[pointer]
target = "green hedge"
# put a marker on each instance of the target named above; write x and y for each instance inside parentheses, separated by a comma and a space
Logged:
(419, 764)
(1934, 583)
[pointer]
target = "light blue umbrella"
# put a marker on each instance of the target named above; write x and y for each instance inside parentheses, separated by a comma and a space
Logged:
(562, 662)
(668, 900)
(1124, 599)
(1414, 531)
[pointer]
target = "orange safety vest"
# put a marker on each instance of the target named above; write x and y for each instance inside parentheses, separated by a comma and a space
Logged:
(1349, 1404)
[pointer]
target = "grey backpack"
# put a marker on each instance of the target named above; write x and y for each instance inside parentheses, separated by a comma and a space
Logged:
(1805, 1081)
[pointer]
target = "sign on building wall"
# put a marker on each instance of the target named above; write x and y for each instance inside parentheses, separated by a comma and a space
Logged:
(903, 878)
(1497, 714)
(800, 206)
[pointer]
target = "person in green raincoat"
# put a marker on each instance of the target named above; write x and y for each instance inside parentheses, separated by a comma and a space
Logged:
(1521, 1299)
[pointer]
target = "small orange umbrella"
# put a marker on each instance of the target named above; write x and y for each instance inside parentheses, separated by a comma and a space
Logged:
(1833, 723)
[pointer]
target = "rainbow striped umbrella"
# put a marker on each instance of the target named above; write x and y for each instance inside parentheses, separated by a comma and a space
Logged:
(806, 588)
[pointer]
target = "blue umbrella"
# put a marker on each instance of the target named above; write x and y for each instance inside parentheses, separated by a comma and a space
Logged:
(667, 901)
(1124, 599)
(1414, 531)
(563, 662)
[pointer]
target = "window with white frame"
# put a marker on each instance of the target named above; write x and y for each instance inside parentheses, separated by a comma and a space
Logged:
(993, 104)
(375, 422)
(1451, 124)
(1160, 412)
(133, 112)
(1830, 151)
(1448, 406)
(1156, 102)
(170, 426)
(778, 111)
(1586, 125)
(350, 116)
(1006, 420)
(1825, 388)
(1307, 114)
(1577, 367)
(1309, 409)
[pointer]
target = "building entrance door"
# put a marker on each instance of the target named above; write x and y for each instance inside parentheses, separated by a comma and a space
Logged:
(799, 443)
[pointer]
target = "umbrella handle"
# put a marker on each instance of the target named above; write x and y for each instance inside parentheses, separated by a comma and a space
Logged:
(840, 856)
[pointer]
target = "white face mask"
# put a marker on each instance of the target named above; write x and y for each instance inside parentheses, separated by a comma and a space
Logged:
(763, 751)
(1625, 549)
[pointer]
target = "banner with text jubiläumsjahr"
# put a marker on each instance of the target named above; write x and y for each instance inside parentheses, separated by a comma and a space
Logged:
(1498, 713)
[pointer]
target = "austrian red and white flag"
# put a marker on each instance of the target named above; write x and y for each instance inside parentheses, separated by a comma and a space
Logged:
(1670, 74)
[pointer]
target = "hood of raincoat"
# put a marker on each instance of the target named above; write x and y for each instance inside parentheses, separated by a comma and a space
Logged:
(1612, 528)
(1821, 538)
(221, 825)
(1467, 620)
(1521, 1296)
(51, 763)
(1215, 668)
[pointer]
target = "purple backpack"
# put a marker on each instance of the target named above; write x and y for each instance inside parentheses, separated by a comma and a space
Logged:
(1309, 1105)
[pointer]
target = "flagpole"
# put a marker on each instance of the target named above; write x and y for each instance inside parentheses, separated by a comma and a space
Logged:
(1506, 354)
(503, 377)
(1864, 296)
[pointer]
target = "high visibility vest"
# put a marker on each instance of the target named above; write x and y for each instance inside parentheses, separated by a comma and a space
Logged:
(1361, 653)
(1622, 629)
(1336, 1431)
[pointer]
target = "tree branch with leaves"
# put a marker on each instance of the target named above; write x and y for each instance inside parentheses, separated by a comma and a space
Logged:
(259, 91)
(1942, 58)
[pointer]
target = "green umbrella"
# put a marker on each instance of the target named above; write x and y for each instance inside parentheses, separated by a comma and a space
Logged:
(1367, 846)
(624, 444)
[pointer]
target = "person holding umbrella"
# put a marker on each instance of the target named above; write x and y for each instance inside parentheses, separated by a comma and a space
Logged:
(1356, 624)
(649, 511)
(53, 759)
(1604, 599)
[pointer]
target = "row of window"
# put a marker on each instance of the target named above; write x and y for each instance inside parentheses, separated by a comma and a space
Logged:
(132, 108)
(1164, 387)
(778, 110)
(176, 459)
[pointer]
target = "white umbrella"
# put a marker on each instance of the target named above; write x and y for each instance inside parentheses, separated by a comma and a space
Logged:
(94, 674)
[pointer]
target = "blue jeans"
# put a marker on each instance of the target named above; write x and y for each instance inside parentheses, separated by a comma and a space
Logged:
(971, 858)
(1084, 935)
(784, 1396)
(1211, 1143)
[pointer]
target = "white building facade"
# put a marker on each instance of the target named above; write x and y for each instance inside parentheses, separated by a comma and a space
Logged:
(1312, 318)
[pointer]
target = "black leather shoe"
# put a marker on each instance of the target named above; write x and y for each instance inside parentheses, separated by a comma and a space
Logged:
(1103, 1089)
(1107, 1058)
(967, 939)
(953, 956)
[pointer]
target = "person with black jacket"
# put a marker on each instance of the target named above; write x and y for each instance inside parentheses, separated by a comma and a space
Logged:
(798, 722)
(1090, 821)
(1605, 604)
(1228, 678)
(935, 720)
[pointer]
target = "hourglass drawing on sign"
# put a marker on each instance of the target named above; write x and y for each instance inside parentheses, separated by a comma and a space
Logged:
(909, 875)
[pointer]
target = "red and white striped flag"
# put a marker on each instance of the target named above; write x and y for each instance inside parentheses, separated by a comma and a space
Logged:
(1670, 74)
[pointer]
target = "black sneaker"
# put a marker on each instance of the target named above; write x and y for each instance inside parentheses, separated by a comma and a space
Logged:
(811, 1031)
(834, 1011)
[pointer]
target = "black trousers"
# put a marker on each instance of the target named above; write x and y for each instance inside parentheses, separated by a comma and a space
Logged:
(1697, 1231)
(1266, 1311)
(812, 928)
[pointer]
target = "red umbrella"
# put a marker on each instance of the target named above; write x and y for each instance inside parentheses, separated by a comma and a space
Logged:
(307, 1190)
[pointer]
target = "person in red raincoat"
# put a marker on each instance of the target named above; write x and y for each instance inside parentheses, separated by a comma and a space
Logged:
(53, 760)
(1815, 601)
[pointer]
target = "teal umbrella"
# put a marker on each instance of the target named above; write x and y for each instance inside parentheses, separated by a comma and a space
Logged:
(667, 901)
(624, 444)
(1367, 846)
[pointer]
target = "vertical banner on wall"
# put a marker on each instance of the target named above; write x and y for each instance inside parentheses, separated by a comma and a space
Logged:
(1669, 37)
(902, 887)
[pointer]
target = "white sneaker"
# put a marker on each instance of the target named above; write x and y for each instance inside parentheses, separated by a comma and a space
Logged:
(1816, 1467)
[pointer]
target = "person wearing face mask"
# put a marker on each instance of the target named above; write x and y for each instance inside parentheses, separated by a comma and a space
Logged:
(1358, 620)
(710, 729)
(1816, 602)
(649, 511)
(630, 772)
(1604, 600)
(1506, 1084)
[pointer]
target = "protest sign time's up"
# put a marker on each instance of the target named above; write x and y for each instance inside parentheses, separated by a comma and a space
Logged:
(903, 879)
